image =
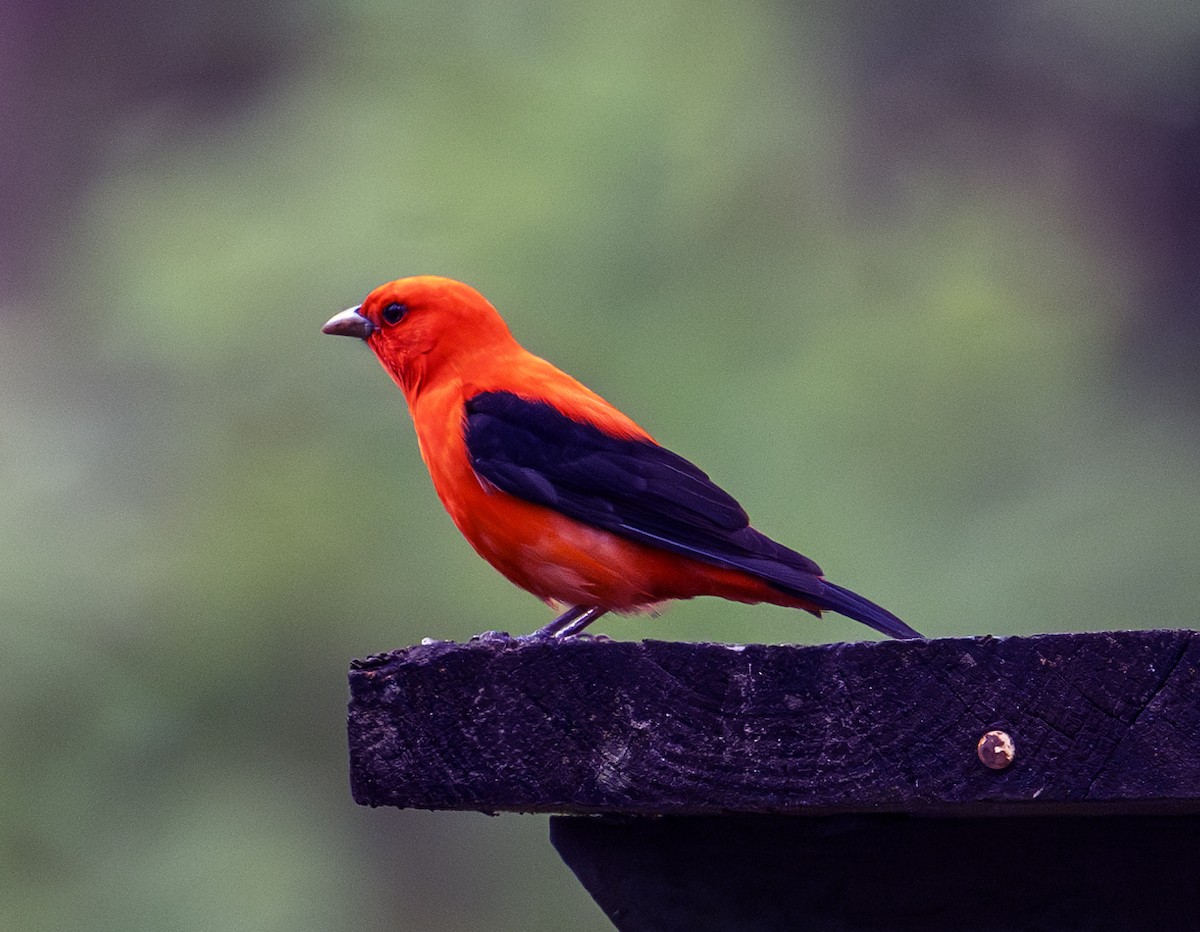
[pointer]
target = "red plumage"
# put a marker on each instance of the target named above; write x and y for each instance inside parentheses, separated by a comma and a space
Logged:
(556, 488)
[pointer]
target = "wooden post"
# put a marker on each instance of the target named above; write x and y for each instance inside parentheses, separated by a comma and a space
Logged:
(846, 786)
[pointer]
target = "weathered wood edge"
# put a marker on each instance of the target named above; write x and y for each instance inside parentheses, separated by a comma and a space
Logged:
(1102, 722)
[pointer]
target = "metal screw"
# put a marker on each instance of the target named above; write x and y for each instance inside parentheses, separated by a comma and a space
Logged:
(996, 750)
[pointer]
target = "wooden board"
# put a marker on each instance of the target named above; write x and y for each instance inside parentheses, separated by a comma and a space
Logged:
(1102, 722)
(892, 872)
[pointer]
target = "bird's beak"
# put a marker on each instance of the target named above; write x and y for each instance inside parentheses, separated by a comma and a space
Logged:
(349, 323)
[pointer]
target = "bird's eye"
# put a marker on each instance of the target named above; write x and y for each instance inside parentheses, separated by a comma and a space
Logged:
(393, 313)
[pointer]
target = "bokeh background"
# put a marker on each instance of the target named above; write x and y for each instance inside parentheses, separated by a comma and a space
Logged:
(919, 282)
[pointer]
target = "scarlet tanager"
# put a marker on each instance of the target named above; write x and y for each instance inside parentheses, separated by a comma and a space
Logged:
(557, 489)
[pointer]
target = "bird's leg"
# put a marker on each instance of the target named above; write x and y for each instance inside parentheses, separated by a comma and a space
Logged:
(576, 625)
(558, 624)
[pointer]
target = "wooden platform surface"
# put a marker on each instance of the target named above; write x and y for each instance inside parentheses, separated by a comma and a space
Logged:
(1100, 722)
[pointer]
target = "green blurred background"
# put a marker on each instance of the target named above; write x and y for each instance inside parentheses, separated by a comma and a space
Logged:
(918, 282)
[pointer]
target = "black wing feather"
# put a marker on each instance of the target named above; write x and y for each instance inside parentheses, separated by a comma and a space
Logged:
(634, 488)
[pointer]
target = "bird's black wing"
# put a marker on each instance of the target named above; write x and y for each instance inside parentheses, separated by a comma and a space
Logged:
(633, 488)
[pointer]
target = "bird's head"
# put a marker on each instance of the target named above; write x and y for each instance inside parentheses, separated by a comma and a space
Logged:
(418, 326)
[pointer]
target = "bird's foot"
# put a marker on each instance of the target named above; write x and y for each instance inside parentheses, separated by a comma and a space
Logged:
(493, 636)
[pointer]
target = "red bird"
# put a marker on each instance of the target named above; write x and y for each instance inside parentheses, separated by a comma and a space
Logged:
(556, 488)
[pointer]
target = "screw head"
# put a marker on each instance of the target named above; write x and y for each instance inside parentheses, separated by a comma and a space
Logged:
(996, 749)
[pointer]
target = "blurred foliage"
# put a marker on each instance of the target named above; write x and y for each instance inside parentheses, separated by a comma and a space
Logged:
(908, 364)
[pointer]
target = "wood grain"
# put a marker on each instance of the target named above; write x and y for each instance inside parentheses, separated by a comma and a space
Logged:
(1100, 722)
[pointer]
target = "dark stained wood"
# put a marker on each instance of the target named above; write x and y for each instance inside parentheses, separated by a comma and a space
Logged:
(888, 872)
(1104, 722)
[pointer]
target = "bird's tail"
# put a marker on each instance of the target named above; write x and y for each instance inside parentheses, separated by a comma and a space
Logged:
(853, 605)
